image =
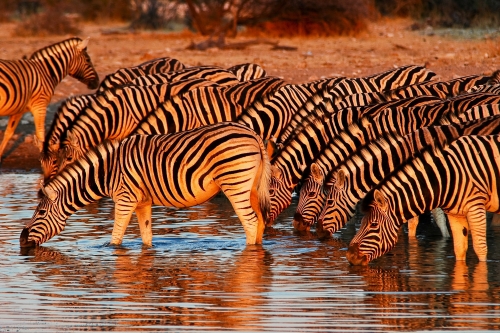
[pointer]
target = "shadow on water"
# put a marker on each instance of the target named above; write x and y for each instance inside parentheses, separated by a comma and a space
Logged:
(200, 276)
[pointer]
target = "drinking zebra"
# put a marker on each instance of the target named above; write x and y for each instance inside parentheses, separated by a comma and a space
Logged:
(181, 170)
(461, 178)
(349, 182)
(28, 84)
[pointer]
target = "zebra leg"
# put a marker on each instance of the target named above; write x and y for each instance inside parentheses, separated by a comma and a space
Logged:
(412, 226)
(9, 131)
(144, 212)
(460, 232)
(123, 213)
(440, 219)
(39, 113)
(477, 224)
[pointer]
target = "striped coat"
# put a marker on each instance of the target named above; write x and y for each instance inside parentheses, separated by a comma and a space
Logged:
(180, 170)
(28, 84)
(461, 178)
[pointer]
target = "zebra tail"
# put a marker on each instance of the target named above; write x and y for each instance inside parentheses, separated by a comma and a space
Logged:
(264, 181)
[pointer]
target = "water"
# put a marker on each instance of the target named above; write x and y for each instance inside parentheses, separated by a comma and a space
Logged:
(200, 276)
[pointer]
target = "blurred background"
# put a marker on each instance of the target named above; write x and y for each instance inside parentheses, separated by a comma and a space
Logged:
(229, 18)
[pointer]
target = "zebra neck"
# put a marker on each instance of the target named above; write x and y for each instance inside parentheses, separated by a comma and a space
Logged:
(53, 64)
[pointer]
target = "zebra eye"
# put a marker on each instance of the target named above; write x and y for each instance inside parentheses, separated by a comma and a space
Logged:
(69, 159)
(329, 202)
(374, 224)
(271, 192)
(311, 194)
(42, 212)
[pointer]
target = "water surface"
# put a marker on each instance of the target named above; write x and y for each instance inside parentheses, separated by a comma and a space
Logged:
(200, 276)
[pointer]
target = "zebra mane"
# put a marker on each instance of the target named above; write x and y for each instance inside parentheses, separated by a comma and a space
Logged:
(407, 165)
(92, 157)
(43, 52)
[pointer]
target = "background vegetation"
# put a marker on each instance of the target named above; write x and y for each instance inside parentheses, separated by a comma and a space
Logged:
(229, 17)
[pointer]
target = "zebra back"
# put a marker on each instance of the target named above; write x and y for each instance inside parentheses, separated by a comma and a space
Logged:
(115, 113)
(127, 74)
(270, 114)
(206, 106)
(215, 74)
(467, 166)
(248, 71)
(441, 89)
(338, 96)
(492, 89)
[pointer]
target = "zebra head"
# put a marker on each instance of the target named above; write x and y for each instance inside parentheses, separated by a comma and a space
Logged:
(280, 194)
(48, 161)
(336, 210)
(47, 221)
(311, 199)
(377, 234)
(81, 67)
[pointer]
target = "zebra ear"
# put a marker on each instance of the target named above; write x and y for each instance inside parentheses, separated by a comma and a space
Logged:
(83, 44)
(71, 139)
(340, 178)
(271, 148)
(275, 172)
(380, 200)
(49, 193)
(316, 173)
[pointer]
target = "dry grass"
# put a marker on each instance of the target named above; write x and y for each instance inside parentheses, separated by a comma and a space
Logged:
(52, 22)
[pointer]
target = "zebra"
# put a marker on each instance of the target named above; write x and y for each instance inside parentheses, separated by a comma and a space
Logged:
(348, 183)
(113, 114)
(208, 106)
(197, 107)
(461, 178)
(215, 74)
(127, 74)
(28, 84)
(65, 115)
(312, 197)
(443, 89)
(370, 88)
(180, 170)
(247, 71)
(320, 140)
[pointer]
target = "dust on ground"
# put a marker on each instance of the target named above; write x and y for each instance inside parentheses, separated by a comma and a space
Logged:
(387, 44)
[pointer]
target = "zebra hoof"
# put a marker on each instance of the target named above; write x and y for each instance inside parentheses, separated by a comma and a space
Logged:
(355, 257)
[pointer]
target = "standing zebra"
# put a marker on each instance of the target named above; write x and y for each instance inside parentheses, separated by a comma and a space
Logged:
(128, 74)
(28, 84)
(349, 182)
(461, 178)
(180, 170)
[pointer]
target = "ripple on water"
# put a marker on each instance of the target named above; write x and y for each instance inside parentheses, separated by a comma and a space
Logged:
(200, 276)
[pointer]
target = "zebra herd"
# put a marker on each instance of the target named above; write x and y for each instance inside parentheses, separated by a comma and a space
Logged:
(162, 133)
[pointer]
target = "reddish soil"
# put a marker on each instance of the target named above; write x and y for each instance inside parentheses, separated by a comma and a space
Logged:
(449, 53)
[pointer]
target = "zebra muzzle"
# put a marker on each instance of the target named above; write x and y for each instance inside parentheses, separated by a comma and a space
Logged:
(23, 240)
(355, 257)
(299, 223)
